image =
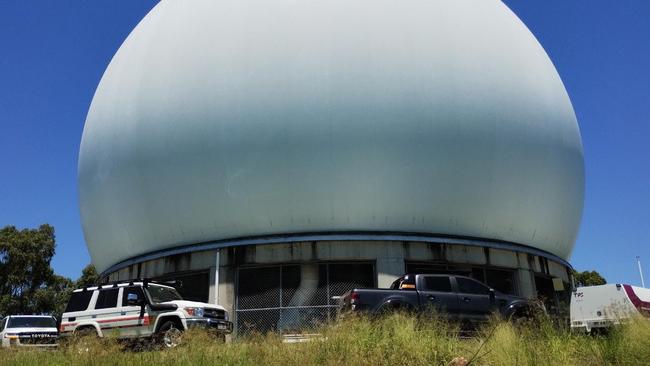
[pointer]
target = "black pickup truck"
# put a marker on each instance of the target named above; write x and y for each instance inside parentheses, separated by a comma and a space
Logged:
(457, 297)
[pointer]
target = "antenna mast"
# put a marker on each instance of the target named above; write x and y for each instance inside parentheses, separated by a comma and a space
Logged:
(638, 261)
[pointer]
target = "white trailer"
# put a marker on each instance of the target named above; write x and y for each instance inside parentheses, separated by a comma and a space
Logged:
(602, 306)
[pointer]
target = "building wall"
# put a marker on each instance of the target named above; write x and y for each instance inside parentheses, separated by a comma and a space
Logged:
(388, 257)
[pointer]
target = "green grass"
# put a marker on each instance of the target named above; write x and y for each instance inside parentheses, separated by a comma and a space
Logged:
(394, 340)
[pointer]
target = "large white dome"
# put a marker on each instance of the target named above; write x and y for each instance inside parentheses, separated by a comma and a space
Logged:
(221, 119)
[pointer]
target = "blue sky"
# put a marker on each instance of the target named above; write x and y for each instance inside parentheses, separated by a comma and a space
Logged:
(53, 53)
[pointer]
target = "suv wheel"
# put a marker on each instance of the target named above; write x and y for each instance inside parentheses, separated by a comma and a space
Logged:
(169, 335)
(84, 339)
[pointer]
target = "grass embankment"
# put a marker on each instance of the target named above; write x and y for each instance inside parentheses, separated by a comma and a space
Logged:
(396, 340)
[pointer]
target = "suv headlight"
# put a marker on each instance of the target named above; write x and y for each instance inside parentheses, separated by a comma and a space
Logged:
(198, 312)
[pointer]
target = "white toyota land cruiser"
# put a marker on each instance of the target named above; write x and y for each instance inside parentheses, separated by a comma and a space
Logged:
(29, 331)
(139, 309)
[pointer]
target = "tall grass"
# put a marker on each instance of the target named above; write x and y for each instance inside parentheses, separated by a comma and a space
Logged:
(396, 340)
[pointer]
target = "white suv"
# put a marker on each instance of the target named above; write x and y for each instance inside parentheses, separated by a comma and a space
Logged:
(29, 331)
(138, 310)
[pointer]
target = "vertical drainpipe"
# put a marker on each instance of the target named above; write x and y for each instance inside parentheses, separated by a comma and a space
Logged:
(216, 277)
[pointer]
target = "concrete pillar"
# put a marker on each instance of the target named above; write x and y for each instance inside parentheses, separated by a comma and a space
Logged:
(526, 283)
(227, 289)
(292, 318)
(213, 291)
(390, 264)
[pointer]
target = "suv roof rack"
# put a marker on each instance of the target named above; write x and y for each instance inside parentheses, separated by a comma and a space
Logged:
(130, 282)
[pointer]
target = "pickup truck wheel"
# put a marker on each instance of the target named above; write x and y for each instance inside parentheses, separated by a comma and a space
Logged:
(523, 317)
(169, 335)
(520, 321)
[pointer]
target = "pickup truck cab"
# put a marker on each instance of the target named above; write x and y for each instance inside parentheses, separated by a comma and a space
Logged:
(29, 331)
(139, 309)
(455, 297)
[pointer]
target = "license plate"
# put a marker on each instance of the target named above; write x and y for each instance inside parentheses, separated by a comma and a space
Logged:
(222, 326)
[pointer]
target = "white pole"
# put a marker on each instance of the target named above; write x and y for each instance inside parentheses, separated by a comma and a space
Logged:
(216, 277)
(638, 261)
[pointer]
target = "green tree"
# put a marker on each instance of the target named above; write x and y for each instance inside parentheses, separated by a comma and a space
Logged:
(588, 278)
(89, 276)
(53, 298)
(28, 285)
(25, 257)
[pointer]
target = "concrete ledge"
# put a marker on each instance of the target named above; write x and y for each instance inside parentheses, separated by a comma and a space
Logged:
(471, 255)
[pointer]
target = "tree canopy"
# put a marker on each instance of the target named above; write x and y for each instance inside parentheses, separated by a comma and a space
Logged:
(588, 278)
(28, 285)
(25, 257)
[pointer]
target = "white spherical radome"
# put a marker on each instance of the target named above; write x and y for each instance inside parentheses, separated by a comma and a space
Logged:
(221, 119)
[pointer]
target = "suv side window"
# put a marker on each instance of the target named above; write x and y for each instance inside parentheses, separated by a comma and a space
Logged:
(131, 290)
(79, 301)
(467, 286)
(437, 283)
(107, 298)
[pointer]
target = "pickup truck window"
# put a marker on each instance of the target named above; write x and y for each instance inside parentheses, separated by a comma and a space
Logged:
(467, 286)
(437, 283)
(404, 283)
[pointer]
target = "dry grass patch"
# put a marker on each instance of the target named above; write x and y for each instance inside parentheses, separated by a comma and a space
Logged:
(395, 340)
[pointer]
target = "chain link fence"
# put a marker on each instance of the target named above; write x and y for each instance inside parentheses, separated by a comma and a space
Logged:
(296, 298)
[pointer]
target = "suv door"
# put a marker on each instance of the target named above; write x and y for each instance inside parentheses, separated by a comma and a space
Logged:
(77, 310)
(106, 311)
(135, 321)
(436, 293)
(474, 299)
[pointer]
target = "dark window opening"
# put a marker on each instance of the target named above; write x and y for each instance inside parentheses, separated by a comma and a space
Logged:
(159, 294)
(259, 288)
(478, 273)
(137, 291)
(192, 286)
(32, 322)
(500, 280)
(107, 298)
(436, 268)
(437, 283)
(404, 283)
(343, 277)
(79, 301)
(289, 298)
(467, 286)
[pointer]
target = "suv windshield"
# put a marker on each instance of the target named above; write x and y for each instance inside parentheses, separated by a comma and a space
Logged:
(160, 294)
(31, 322)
